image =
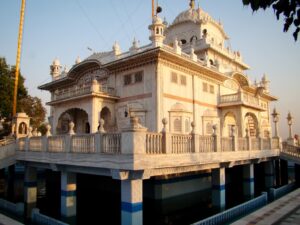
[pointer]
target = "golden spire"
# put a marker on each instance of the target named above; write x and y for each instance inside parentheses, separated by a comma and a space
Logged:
(192, 4)
(153, 8)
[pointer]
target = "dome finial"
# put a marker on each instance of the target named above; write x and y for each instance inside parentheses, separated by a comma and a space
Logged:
(192, 4)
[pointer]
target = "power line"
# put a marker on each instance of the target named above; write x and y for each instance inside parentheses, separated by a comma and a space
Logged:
(91, 22)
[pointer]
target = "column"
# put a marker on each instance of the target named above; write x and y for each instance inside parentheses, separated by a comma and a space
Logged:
(132, 202)
(297, 174)
(68, 194)
(284, 172)
(218, 188)
(2, 183)
(11, 183)
(248, 181)
(30, 189)
(269, 174)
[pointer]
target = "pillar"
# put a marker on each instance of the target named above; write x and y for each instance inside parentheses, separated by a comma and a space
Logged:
(277, 172)
(248, 181)
(68, 194)
(132, 202)
(11, 183)
(218, 188)
(284, 172)
(269, 174)
(30, 189)
(297, 174)
(2, 183)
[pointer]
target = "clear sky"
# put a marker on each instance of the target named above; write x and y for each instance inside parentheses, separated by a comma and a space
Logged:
(65, 28)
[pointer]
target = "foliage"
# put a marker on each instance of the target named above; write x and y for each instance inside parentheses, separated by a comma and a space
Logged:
(289, 9)
(7, 74)
(34, 109)
(32, 106)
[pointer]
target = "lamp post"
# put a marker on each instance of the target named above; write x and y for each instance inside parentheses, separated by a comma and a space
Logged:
(275, 115)
(290, 122)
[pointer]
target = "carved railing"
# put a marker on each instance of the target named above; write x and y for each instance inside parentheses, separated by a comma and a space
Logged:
(56, 144)
(22, 144)
(206, 144)
(243, 144)
(241, 97)
(227, 144)
(181, 143)
(72, 92)
(83, 143)
(36, 144)
(255, 143)
(154, 143)
(266, 143)
(230, 98)
(111, 143)
(291, 150)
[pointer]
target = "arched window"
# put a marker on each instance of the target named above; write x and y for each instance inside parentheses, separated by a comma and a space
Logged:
(157, 30)
(211, 62)
(177, 125)
(183, 41)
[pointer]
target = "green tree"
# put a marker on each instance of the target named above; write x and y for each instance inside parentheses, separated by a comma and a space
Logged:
(32, 106)
(289, 9)
(7, 75)
(34, 109)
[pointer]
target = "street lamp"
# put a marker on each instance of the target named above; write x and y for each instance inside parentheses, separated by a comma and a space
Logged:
(290, 122)
(275, 115)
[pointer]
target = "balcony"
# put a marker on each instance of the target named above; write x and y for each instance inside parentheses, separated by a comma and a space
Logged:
(239, 99)
(82, 91)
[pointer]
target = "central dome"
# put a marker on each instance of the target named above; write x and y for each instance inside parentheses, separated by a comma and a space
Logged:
(194, 15)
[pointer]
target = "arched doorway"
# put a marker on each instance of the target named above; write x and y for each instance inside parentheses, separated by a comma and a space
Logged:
(105, 114)
(78, 116)
(251, 123)
(22, 128)
(229, 122)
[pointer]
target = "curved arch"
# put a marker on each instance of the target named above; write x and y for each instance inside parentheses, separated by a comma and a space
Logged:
(79, 68)
(178, 107)
(229, 121)
(105, 114)
(78, 116)
(241, 79)
(22, 128)
(251, 122)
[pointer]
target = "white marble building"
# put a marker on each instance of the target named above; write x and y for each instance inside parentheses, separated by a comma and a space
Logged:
(186, 74)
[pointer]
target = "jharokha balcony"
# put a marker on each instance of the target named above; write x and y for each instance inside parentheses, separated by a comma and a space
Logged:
(137, 149)
(243, 99)
(77, 91)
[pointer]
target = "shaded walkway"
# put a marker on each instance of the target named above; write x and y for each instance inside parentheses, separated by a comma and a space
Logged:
(285, 210)
(4, 220)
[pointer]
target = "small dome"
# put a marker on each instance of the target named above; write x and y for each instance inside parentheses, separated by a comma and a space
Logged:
(178, 107)
(56, 62)
(157, 20)
(193, 15)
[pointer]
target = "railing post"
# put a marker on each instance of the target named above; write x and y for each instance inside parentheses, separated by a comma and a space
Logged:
(217, 141)
(235, 145)
(68, 137)
(248, 140)
(133, 138)
(99, 137)
(260, 140)
(166, 148)
(195, 139)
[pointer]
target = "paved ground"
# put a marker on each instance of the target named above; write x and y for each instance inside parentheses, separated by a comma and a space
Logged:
(4, 220)
(284, 211)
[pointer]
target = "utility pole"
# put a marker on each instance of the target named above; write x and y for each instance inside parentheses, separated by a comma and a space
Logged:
(18, 57)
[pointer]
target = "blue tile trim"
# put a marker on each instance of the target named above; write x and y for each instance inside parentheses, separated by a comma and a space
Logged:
(30, 183)
(68, 193)
(249, 180)
(219, 187)
(132, 207)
